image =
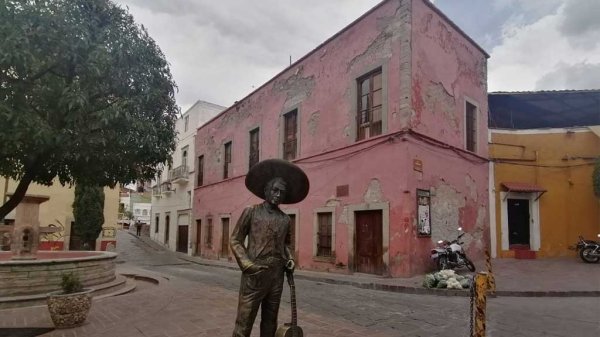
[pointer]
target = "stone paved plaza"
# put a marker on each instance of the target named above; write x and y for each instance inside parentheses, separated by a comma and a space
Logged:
(197, 300)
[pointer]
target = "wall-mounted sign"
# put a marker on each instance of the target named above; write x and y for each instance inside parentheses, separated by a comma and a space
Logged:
(108, 232)
(423, 213)
(417, 165)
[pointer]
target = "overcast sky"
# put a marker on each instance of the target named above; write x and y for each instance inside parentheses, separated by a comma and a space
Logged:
(220, 51)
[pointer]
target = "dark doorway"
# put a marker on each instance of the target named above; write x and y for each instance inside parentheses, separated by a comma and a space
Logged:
(225, 238)
(198, 237)
(292, 235)
(182, 239)
(369, 242)
(518, 223)
(167, 228)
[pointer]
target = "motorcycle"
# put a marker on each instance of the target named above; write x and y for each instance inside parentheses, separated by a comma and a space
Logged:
(450, 255)
(588, 250)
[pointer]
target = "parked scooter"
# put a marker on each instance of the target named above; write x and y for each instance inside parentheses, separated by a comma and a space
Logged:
(589, 250)
(450, 255)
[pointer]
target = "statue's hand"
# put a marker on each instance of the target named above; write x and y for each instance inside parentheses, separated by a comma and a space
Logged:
(290, 265)
(255, 268)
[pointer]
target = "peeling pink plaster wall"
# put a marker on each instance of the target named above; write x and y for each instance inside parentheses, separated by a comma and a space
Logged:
(322, 87)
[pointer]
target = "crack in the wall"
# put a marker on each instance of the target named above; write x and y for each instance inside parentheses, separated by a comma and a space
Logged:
(296, 87)
(437, 98)
(381, 47)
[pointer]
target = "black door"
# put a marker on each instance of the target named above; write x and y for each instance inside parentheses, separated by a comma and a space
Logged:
(182, 239)
(518, 222)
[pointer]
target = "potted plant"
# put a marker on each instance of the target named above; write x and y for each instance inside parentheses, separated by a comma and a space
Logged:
(69, 307)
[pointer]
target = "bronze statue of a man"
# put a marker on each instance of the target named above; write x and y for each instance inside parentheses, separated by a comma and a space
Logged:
(267, 254)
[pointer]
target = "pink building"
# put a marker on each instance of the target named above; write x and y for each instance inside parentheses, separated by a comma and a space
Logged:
(388, 118)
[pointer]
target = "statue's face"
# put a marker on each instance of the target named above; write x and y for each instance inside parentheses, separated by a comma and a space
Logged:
(275, 191)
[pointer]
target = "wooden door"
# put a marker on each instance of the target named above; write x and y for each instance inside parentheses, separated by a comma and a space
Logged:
(198, 236)
(369, 242)
(182, 238)
(225, 238)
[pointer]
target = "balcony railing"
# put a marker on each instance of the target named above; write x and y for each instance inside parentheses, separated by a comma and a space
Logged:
(179, 174)
(166, 188)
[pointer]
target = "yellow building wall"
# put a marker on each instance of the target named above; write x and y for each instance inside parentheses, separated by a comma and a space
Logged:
(58, 212)
(560, 161)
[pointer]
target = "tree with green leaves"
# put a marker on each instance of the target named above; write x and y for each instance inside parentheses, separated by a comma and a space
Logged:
(88, 211)
(86, 96)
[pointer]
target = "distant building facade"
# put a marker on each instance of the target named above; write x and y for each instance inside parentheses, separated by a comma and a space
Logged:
(543, 146)
(57, 213)
(172, 190)
(388, 118)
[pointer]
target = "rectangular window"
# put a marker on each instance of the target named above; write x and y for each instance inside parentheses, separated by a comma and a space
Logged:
(227, 161)
(157, 222)
(324, 234)
(290, 139)
(209, 231)
(471, 126)
(254, 147)
(200, 171)
(369, 105)
(186, 122)
(184, 155)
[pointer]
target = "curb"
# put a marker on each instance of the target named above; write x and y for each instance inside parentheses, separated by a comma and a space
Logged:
(401, 288)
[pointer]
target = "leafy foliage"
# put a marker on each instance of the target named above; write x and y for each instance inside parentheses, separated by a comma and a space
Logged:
(596, 177)
(86, 95)
(70, 283)
(88, 211)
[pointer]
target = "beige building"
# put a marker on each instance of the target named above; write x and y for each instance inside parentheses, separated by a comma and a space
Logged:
(58, 212)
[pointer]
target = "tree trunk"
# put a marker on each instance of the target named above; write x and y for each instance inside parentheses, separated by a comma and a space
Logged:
(17, 196)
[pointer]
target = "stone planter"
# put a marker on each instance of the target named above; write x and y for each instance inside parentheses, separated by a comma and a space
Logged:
(69, 310)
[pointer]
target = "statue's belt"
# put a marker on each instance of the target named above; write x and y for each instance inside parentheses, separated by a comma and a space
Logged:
(270, 260)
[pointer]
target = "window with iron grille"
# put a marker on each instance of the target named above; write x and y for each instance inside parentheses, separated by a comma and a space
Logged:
(209, 231)
(200, 170)
(227, 161)
(290, 138)
(324, 234)
(369, 105)
(471, 126)
(254, 147)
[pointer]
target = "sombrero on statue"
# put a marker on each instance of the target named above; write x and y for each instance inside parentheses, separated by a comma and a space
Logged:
(261, 173)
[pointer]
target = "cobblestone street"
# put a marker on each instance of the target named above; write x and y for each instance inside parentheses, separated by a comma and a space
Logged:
(196, 300)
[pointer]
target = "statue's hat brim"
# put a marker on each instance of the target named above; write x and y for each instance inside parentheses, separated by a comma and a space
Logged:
(297, 184)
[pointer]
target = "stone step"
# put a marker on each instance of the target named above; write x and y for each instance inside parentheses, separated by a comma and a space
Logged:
(118, 286)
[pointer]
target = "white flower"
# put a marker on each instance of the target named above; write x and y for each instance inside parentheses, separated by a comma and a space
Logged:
(453, 284)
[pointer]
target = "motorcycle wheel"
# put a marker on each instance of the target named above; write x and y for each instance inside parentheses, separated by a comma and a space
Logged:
(584, 254)
(469, 264)
(442, 263)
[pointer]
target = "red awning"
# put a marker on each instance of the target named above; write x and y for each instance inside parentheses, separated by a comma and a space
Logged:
(522, 187)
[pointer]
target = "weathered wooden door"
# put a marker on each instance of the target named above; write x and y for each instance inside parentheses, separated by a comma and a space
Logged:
(225, 238)
(369, 242)
(198, 237)
(182, 238)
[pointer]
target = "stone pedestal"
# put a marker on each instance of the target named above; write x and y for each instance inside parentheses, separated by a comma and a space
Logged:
(26, 232)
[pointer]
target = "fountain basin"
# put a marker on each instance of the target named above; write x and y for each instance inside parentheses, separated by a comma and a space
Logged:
(44, 274)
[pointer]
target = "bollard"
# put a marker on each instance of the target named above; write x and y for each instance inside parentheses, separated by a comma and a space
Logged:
(481, 284)
(491, 280)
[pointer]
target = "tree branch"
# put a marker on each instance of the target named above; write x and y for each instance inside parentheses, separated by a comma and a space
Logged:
(17, 196)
